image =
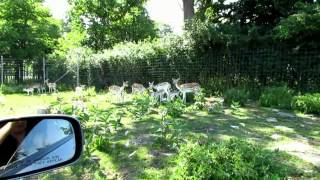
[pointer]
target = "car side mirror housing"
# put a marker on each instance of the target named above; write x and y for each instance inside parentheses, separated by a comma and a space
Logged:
(34, 144)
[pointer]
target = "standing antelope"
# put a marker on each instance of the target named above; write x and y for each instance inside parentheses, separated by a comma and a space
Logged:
(137, 88)
(158, 95)
(52, 86)
(164, 86)
(174, 94)
(79, 89)
(28, 90)
(40, 87)
(186, 88)
(118, 91)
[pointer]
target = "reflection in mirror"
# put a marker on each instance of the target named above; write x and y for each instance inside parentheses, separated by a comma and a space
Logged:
(31, 145)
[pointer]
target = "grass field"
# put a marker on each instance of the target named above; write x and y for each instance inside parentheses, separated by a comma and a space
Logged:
(135, 153)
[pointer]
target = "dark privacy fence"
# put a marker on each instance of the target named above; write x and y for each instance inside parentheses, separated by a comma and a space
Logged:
(298, 68)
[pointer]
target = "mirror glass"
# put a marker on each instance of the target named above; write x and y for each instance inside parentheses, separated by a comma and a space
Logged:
(29, 145)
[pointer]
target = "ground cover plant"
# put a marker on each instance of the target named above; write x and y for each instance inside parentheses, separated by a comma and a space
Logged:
(309, 103)
(277, 96)
(234, 158)
(119, 146)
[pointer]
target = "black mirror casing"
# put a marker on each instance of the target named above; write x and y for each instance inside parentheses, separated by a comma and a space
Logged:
(78, 143)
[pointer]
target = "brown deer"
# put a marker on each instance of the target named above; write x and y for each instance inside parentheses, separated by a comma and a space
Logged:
(186, 88)
(137, 88)
(118, 91)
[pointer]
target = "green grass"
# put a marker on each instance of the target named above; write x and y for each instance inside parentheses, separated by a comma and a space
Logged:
(152, 160)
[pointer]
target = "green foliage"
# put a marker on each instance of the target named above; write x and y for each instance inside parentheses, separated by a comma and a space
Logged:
(141, 105)
(175, 108)
(215, 108)
(169, 130)
(309, 103)
(27, 29)
(236, 95)
(235, 159)
(200, 100)
(135, 62)
(107, 23)
(279, 97)
(11, 89)
(213, 85)
(302, 27)
(235, 107)
(90, 92)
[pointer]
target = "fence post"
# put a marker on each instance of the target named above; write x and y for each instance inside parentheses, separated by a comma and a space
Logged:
(1, 70)
(78, 73)
(44, 70)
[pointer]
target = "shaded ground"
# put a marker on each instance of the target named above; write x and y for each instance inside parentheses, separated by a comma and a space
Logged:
(137, 154)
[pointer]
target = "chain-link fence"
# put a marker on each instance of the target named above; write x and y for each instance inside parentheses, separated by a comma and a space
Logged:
(16, 71)
(298, 68)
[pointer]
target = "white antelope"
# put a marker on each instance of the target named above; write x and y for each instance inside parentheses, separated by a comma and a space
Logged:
(186, 88)
(174, 95)
(164, 86)
(137, 88)
(158, 95)
(52, 86)
(28, 90)
(118, 91)
(79, 90)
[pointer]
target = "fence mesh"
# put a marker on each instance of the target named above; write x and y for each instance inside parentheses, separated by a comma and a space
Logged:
(298, 68)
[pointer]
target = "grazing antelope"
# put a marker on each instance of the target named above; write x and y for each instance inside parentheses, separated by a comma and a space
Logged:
(118, 91)
(174, 95)
(164, 86)
(40, 88)
(158, 95)
(79, 89)
(28, 90)
(137, 88)
(52, 86)
(186, 88)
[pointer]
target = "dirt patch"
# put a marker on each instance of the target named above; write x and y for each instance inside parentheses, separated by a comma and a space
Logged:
(302, 150)
(143, 139)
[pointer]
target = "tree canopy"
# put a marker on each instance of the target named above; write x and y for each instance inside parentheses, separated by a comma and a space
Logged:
(27, 29)
(109, 22)
(254, 23)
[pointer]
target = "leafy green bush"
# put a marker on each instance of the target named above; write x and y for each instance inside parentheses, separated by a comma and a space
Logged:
(279, 97)
(309, 103)
(141, 105)
(200, 100)
(11, 89)
(236, 95)
(215, 108)
(234, 159)
(175, 108)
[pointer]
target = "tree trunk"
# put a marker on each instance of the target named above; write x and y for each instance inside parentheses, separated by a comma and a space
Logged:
(188, 9)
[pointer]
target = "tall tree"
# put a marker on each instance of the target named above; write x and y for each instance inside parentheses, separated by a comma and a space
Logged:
(109, 22)
(188, 9)
(27, 31)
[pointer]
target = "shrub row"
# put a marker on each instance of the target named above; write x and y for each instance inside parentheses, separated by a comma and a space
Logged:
(234, 159)
(309, 103)
(277, 97)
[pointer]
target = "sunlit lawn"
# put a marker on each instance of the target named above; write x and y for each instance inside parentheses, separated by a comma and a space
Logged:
(136, 154)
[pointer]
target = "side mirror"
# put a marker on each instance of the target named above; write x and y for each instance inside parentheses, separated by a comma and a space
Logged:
(30, 145)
